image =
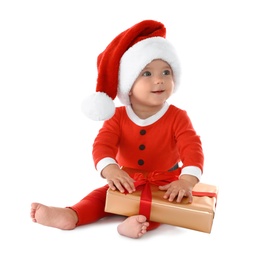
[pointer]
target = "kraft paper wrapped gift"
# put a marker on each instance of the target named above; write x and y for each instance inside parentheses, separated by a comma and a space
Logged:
(197, 215)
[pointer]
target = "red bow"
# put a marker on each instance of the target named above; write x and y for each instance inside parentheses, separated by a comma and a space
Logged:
(157, 178)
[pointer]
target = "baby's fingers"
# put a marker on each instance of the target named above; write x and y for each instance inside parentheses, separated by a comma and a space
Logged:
(128, 185)
(111, 185)
(171, 195)
(121, 185)
(184, 194)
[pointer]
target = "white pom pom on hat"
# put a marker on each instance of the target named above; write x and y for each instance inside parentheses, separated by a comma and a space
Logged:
(98, 106)
(121, 62)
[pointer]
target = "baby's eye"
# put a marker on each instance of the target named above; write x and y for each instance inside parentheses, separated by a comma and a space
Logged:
(166, 72)
(146, 73)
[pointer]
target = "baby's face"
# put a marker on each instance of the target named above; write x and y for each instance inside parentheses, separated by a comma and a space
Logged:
(154, 85)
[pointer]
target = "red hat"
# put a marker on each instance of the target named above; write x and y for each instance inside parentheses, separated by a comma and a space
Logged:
(122, 61)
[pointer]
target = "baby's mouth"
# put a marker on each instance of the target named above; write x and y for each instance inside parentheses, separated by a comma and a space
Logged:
(158, 91)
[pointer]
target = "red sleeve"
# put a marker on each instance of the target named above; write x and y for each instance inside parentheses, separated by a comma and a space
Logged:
(188, 142)
(106, 142)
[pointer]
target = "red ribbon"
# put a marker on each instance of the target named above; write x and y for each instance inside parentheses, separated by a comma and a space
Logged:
(156, 178)
(204, 193)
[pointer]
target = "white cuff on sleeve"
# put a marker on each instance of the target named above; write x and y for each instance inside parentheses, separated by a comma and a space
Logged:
(192, 170)
(104, 162)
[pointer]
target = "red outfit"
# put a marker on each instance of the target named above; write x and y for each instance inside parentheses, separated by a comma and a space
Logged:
(157, 143)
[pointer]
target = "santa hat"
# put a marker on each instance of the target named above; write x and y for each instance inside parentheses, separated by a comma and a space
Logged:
(122, 61)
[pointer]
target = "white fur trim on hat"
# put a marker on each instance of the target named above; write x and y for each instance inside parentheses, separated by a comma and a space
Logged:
(138, 56)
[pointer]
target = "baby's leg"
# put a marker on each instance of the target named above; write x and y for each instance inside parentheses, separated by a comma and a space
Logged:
(62, 218)
(133, 227)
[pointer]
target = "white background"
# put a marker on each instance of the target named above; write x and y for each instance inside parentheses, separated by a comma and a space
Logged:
(48, 53)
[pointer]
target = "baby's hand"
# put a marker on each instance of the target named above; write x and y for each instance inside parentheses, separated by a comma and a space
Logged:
(178, 190)
(118, 179)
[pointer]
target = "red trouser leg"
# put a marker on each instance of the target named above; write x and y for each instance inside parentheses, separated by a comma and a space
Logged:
(91, 208)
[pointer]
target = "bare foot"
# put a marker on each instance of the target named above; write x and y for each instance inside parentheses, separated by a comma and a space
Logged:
(133, 227)
(62, 218)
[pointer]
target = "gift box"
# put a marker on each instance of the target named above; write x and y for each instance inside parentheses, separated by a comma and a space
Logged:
(197, 215)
